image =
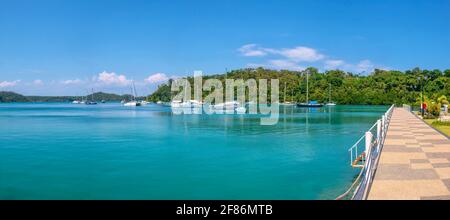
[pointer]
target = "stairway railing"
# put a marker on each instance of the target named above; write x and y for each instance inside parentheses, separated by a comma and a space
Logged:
(365, 154)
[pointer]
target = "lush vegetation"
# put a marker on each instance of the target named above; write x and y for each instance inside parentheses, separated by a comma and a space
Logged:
(378, 88)
(14, 97)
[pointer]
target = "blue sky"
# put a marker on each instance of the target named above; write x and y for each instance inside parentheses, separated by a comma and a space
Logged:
(67, 47)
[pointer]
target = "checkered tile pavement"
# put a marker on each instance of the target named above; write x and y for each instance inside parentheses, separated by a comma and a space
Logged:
(414, 163)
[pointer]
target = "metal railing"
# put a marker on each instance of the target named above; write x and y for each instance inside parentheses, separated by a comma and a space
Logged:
(407, 107)
(365, 154)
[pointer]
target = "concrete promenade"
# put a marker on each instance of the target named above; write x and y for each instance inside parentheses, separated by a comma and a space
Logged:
(414, 163)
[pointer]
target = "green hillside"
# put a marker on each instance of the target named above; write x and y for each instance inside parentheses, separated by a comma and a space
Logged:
(378, 88)
(15, 97)
(12, 97)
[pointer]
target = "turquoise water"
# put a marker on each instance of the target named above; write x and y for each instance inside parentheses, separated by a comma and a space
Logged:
(66, 151)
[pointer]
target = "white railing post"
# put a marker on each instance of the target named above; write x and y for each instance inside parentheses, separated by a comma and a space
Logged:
(378, 135)
(368, 143)
(383, 125)
(368, 164)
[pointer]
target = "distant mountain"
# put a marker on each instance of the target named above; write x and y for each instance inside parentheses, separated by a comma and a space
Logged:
(98, 96)
(12, 97)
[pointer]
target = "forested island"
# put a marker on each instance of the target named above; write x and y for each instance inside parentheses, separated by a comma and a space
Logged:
(98, 96)
(381, 87)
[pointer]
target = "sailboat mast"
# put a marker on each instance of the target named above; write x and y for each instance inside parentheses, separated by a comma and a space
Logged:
(307, 87)
(132, 94)
(185, 90)
(284, 92)
(134, 91)
(329, 94)
(292, 96)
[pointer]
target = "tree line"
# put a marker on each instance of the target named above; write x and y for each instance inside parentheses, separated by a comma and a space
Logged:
(381, 87)
(6, 96)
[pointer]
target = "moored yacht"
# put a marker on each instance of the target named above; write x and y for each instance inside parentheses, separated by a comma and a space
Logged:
(309, 104)
(91, 102)
(133, 102)
(175, 104)
(330, 103)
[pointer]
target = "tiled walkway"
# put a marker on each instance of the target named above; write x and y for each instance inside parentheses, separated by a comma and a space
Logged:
(414, 163)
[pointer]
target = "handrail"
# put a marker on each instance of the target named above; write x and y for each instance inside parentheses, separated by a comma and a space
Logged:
(407, 107)
(373, 141)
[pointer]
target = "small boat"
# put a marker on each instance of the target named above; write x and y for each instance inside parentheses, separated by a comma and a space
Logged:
(309, 104)
(92, 102)
(175, 104)
(286, 103)
(76, 102)
(312, 104)
(159, 102)
(195, 104)
(227, 105)
(103, 101)
(133, 102)
(185, 105)
(330, 103)
(241, 110)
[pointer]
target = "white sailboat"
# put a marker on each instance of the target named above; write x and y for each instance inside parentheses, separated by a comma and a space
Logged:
(133, 102)
(286, 103)
(330, 103)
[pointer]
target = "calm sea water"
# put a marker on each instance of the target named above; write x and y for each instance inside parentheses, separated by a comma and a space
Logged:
(66, 151)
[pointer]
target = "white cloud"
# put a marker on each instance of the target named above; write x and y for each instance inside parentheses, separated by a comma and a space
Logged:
(252, 50)
(297, 54)
(285, 64)
(38, 82)
(71, 81)
(5, 84)
(112, 78)
(296, 57)
(300, 54)
(256, 65)
(156, 78)
(288, 58)
(365, 66)
(334, 64)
